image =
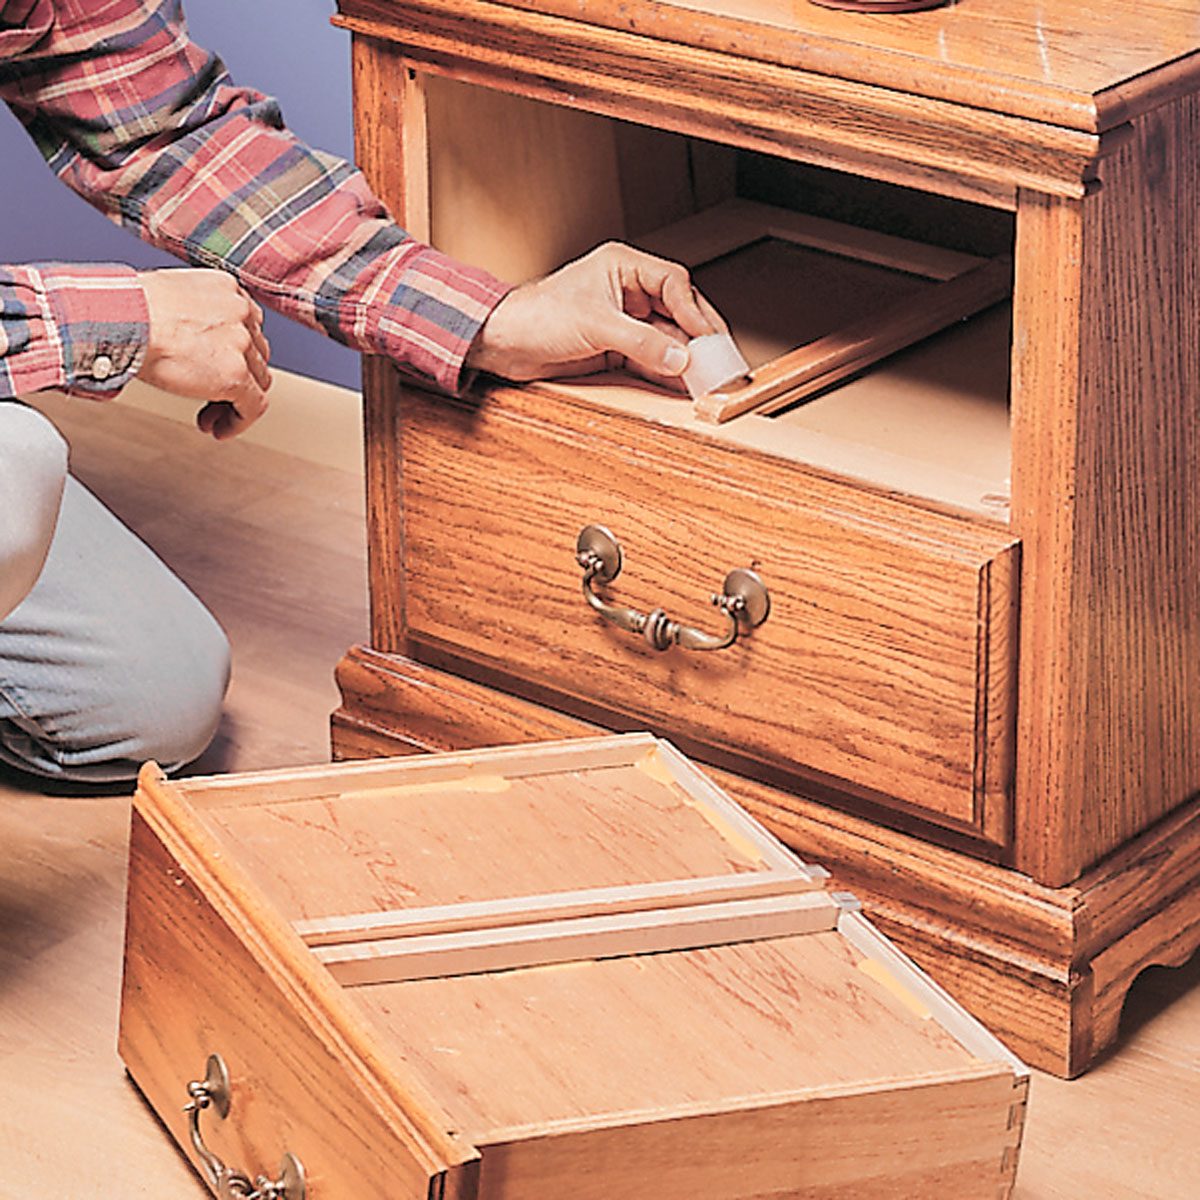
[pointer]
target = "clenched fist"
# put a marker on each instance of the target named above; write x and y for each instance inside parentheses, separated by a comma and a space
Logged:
(206, 343)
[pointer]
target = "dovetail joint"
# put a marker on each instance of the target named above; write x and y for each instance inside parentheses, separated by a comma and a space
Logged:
(1010, 1157)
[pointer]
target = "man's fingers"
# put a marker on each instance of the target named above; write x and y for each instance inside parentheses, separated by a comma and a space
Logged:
(211, 414)
(716, 321)
(257, 363)
(636, 303)
(221, 419)
(249, 402)
(258, 352)
(259, 340)
(672, 383)
(651, 350)
(206, 342)
(604, 304)
(684, 305)
(666, 288)
(225, 419)
(230, 423)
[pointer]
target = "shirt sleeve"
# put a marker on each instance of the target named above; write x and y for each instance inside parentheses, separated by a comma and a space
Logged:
(149, 128)
(79, 328)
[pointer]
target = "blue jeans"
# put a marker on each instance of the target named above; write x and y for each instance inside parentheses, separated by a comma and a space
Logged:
(109, 660)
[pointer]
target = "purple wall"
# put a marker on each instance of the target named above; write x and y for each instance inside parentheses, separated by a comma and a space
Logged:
(284, 47)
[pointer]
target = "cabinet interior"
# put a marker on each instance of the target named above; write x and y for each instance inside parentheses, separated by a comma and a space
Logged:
(520, 187)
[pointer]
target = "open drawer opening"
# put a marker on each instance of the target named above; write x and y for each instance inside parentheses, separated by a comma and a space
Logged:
(874, 318)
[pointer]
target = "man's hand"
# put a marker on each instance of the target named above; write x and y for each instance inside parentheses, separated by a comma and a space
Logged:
(206, 343)
(614, 307)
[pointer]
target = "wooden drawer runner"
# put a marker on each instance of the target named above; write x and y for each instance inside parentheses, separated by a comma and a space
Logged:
(885, 662)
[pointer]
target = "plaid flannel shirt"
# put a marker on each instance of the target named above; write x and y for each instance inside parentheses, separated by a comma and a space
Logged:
(149, 128)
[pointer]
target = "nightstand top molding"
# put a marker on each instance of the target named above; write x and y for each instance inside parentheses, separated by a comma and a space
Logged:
(1082, 64)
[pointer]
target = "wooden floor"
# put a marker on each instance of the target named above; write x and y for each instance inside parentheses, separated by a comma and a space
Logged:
(274, 546)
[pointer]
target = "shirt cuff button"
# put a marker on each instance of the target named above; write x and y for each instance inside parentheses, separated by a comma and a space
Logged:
(102, 367)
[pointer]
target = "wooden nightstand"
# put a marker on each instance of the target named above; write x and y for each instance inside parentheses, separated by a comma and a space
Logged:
(976, 695)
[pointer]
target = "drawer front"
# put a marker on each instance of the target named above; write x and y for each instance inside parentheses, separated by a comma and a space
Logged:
(885, 661)
(196, 984)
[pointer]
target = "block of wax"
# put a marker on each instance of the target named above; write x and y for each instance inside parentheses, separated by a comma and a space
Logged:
(714, 361)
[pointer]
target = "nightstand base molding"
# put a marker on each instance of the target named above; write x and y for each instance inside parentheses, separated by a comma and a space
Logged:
(1047, 969)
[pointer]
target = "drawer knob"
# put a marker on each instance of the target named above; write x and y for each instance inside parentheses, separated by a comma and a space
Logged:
(213, 1091)
(744, 599)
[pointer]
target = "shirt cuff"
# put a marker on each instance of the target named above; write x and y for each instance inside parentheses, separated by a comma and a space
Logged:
(459, 378)
(96, 323)
(435, 309)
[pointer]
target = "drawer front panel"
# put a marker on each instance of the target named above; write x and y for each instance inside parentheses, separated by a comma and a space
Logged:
(884, 662)
(195, 985)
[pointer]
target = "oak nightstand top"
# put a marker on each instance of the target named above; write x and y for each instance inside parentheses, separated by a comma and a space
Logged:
(1083, 64)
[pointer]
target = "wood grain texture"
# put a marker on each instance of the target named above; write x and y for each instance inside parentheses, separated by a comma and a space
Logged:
(303, 858)
(1112, 1135)
(1102, 479)
(396, 1103)
(568, 1049)
(931, 423)
(1089, 66)
(192, 910)
(485, 148)
(518, 476)
(707, 1155)
(390, 150)
(385, 531)
(1104, 433)
(731, 223)
(867, 295)
(748, 1002)
(583, 179)
(282, 785)
(510, 947)
(860, 344)
(1106, 442)
(672, 84)
(294, 1087)
(1047, 968)
(492, 914)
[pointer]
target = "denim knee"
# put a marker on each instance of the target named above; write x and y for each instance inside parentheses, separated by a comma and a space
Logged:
(173, 708)
(111, 659)
(163, 702)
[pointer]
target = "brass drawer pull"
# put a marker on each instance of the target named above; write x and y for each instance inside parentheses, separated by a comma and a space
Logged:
(744, 599)
(233, 1185)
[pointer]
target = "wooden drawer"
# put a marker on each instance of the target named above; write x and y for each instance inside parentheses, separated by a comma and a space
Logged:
(885, 662)
(443, 978)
